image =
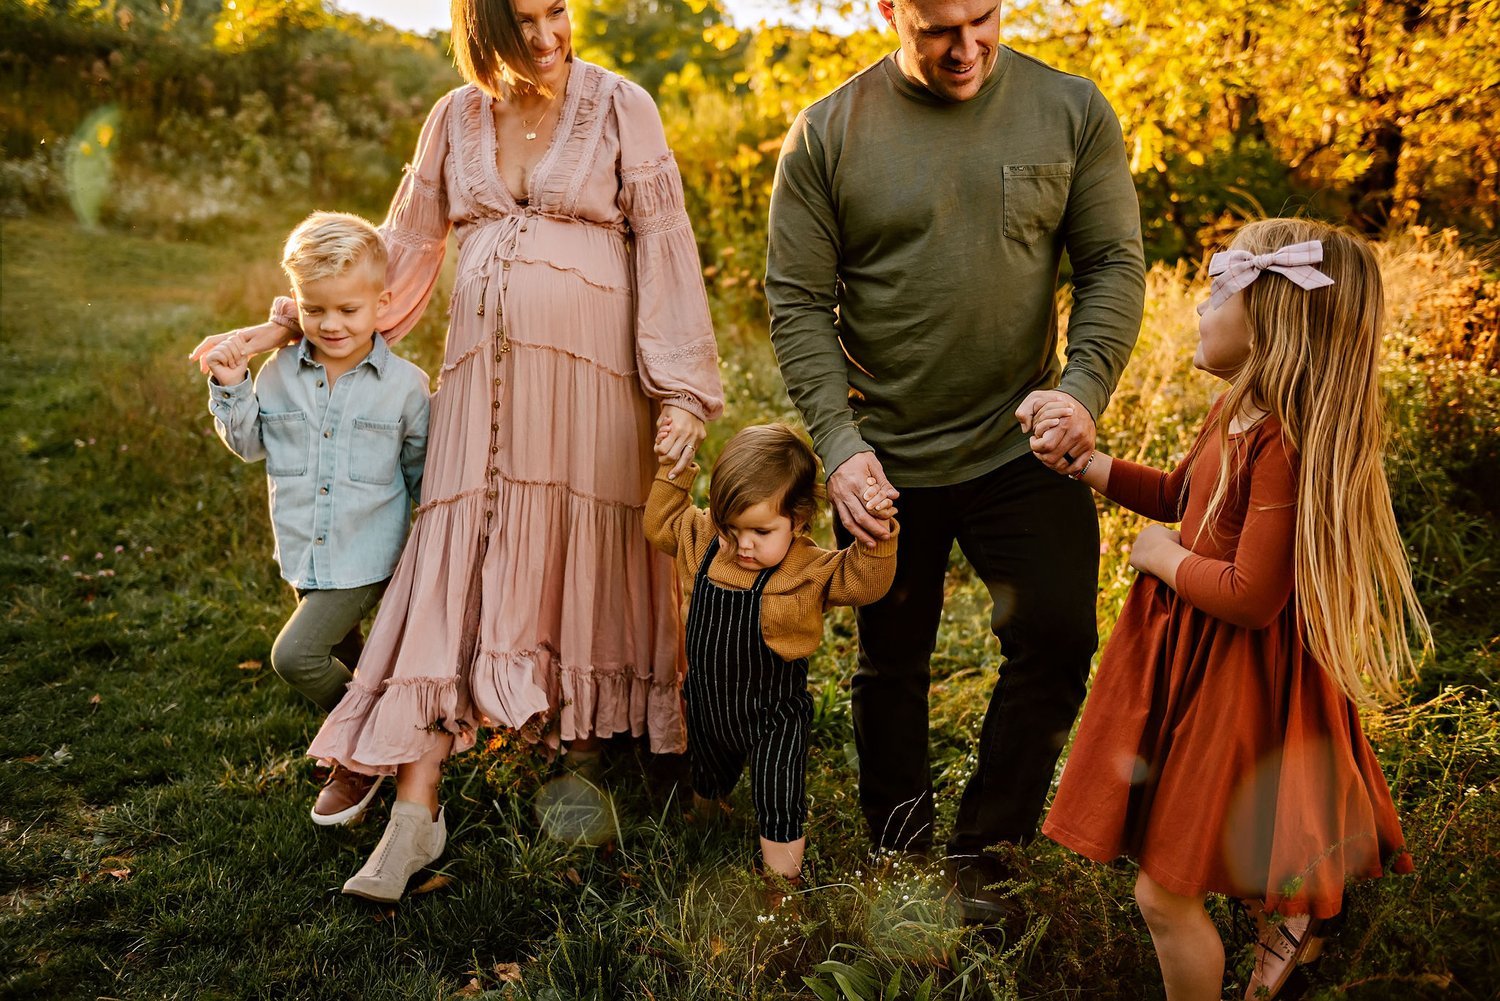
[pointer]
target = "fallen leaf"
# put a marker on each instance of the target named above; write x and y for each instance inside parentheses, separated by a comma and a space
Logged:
(507, 973)
(573, 876)
(436, 881)
(631, 880)
(469, 989)
(249, 665)
(94, 699)
(119, 873)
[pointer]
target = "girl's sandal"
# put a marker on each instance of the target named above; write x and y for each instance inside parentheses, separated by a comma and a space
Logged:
(1279, 948)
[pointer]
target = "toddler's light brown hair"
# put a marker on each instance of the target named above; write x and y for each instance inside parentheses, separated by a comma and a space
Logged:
(765, 462)
(327, 244)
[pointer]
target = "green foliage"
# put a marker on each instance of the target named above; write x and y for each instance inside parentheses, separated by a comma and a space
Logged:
(154, 841)
(652, 40)
(219, 116)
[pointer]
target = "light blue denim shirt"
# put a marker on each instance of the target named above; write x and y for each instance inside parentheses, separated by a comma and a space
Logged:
(343, 467)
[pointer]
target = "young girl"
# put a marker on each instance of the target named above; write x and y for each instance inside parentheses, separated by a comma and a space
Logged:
(758, 586)
(1221, 748)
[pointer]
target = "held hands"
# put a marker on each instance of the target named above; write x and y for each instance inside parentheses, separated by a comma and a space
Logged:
(863, 497)
(678, 435)
(1061, 429)
(254, 340)
(228, 361)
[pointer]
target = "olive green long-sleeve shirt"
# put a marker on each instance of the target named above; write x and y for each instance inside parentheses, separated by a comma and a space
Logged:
(915, 247)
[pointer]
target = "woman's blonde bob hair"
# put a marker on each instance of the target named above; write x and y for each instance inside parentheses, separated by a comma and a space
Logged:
(765, 462)
(1314, 364)
(490, 49)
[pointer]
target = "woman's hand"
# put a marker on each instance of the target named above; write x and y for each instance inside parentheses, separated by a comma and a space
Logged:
(678, 435)
(255, 340)
(1158, 551)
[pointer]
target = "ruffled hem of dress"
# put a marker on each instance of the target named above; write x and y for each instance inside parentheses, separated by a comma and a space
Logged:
(1321, 907)
(608, 702)
(409, 714)
(508, 690)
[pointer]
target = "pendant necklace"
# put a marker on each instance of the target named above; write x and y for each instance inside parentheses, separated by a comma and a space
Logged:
(531, 127)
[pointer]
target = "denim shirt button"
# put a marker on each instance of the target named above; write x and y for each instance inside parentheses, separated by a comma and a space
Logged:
(327, 434)
(318, 541)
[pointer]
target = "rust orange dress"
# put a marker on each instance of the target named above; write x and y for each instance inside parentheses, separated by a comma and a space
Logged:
(1213, 749)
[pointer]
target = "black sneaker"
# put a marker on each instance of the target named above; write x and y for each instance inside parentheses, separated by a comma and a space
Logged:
(978, 886)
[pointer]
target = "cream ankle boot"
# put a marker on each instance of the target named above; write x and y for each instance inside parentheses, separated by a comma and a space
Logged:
(412, 839)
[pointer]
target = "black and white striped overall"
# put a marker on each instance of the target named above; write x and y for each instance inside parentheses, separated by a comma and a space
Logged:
(745, 701)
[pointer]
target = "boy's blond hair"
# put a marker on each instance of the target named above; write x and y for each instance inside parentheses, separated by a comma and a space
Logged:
(327, 244)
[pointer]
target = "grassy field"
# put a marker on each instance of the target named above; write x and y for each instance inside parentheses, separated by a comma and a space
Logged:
(153, 791)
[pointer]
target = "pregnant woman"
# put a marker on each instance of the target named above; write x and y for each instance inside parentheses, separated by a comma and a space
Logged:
(527, 596)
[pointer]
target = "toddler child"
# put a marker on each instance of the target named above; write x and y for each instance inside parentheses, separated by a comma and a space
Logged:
(757, 588)
(1221, 747)
(342, 425)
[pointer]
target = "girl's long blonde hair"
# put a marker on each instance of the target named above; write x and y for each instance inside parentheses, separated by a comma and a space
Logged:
(1314, 364)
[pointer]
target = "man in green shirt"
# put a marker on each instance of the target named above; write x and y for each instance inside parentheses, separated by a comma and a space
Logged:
(918, 222)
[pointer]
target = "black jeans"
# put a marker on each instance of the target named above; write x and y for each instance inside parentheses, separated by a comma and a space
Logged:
(1033, 538)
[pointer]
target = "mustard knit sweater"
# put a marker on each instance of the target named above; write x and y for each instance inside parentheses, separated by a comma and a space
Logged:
(805, 584)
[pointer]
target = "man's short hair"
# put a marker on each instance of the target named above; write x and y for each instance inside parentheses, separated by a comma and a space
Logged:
(328, 244)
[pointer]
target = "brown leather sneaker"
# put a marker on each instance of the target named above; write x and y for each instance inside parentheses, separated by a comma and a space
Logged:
(344, 797)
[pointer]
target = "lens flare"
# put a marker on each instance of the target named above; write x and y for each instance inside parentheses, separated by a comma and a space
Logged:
(573, 810)
(89, 164)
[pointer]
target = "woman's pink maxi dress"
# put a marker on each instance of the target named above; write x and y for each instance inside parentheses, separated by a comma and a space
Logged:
(527, 593)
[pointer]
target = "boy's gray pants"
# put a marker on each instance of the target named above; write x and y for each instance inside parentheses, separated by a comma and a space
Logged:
(320, 644)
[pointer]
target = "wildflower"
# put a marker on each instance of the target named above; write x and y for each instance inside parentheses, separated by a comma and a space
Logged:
(119, 549)
(98, 556)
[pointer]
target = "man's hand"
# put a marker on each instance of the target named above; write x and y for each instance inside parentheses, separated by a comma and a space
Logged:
(1061, 429)
(678, 434)
(257, 339)
(862, 498)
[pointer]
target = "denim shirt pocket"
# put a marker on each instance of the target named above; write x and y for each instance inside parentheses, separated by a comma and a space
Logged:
(374, 450)
(286, 441)
(1036, 194)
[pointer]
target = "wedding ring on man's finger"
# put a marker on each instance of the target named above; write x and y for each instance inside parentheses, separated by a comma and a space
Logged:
(1069, 457)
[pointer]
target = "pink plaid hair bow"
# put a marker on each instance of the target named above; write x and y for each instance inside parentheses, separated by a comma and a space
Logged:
(1233, 270)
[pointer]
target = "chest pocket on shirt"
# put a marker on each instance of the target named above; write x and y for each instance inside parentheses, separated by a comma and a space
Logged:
(285, 439)
(1036, 194)
(374, 450)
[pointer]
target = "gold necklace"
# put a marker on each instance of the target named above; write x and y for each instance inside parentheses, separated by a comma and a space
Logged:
(530, 127)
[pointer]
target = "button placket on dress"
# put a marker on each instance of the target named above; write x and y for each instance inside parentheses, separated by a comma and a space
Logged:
(501, 346)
